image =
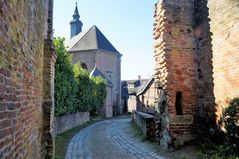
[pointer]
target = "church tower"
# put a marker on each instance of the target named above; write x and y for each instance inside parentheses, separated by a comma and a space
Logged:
(76, 24)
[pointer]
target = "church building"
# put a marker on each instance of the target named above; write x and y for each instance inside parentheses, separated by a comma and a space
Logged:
(95, 52)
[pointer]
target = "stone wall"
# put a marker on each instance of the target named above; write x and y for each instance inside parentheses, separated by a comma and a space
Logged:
(26, 65)
(145, 122)
(67, 122)
(224, 24)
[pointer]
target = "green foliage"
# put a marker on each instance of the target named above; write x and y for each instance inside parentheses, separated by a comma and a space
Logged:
(84, 90)
(65, 83)
(215, 151)
(91, 91)
(230, 148)
(231, 121)
(98, 93)
(74, 89)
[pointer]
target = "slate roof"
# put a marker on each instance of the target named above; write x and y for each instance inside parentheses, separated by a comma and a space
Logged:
(91, 39)
(145, 86)
(96, 72)
(139, 85)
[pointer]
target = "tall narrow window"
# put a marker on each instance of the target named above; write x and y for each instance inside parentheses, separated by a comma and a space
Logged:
(178, 103)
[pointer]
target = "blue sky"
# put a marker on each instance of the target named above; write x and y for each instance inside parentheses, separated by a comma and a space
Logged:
(127, 24)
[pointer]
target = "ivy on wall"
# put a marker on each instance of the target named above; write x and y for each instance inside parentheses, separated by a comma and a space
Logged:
(74, 89)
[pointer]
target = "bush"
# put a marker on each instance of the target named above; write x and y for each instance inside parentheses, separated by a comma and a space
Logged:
(84, 90)
(214, 151)
(91, 91)
(98, 93)
(65, 83)
(231, 121)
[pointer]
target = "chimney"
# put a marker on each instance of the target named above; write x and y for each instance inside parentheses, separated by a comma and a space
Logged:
(139, 77)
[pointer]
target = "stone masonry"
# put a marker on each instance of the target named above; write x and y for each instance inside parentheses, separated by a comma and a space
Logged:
(196, 53)
(26, 79)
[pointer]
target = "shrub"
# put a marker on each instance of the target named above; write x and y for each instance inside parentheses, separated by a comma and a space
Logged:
(98, 93)
(231, 121)
(91, 91)
(65, 83)
(84, 90)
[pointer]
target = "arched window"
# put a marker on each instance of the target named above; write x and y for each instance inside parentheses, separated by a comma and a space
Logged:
(178, 103)
(84, 66)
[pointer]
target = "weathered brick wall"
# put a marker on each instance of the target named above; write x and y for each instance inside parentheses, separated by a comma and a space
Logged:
(174, 52)
(196, 52)
(23, 29)
(204, 116)
(176, 62)
(224, 15)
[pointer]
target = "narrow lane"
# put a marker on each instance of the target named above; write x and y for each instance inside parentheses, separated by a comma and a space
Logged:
(109, 139)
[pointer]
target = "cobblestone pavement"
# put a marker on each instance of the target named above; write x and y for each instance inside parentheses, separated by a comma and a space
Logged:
(109, 139)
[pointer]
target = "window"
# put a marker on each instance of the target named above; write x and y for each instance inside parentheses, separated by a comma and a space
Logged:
(178, 103)
(84, 66)
(109, 74)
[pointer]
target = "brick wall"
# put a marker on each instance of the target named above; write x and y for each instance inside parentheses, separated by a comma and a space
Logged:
(174, 52)
(196, 53)
(175, 60)
(23, 99)
(204, 116)
(224, 25)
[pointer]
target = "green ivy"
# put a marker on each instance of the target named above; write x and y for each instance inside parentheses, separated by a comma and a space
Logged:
(74, 89)
(65, 83)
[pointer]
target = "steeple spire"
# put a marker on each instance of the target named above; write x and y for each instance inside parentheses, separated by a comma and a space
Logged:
(76, 14)
(76, 24)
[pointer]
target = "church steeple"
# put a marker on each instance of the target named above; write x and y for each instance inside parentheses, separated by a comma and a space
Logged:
(76, 24)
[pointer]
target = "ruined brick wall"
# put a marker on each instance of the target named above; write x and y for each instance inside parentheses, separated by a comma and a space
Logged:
(176, 64)
(204, 117)
(24, 68)
(224, 24)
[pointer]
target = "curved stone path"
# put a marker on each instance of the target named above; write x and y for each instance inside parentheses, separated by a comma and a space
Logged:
(109, 139)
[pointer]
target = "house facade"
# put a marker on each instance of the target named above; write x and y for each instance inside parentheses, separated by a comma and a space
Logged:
(146, 97)
(130, 88)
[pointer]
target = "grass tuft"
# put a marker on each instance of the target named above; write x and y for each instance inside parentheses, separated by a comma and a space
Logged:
(62, 140)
